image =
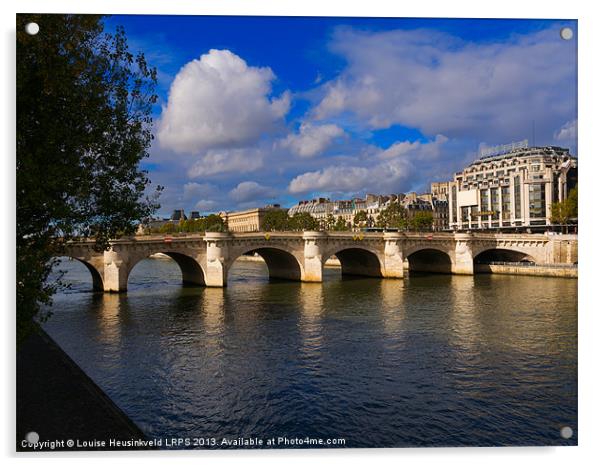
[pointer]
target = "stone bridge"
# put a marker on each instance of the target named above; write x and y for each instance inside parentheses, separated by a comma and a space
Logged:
(205, 259)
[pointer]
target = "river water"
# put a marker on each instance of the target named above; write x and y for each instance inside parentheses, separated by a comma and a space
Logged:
(431, 360)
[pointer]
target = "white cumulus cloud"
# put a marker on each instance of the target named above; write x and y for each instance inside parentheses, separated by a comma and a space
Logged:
(220, 161)
(382, 177)
(196, 190)
(567, 133)
(387, 170)
(219, 101)
(441, 84)
(423, 150)
(206, 205)
(250, 190)
(312, 139)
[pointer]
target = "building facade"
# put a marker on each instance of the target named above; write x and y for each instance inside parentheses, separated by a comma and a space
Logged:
(321, 208)
(318, 208)
(440, 190)
(513, 190)
(373, 205)
(440, 215)
(250, 220)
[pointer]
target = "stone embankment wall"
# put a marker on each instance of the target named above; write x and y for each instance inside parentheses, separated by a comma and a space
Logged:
(547, 271)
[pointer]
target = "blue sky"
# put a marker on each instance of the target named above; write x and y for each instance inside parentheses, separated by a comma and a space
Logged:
(256, 110)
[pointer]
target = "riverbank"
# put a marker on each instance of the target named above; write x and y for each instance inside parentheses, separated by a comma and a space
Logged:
(59, 402)
(532, 270)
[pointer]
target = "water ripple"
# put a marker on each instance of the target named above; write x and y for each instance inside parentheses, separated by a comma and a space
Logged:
(427, 361)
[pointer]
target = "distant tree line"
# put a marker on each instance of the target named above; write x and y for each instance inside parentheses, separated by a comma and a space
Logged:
(279, 220)
(394, 216)
(212, 222)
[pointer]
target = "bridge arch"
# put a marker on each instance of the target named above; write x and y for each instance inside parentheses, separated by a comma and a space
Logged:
(357, 260)
(94, 269)
(281, 263)
(431, 258)
(191, 269)
(502, 255)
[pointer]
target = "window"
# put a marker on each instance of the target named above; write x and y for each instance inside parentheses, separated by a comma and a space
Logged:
(537, 200)
(555, 188)
(517, 198)
(485, 203)
(505, 203)
(465, 213)
(454, 205)
(495, 203)
(474, 210)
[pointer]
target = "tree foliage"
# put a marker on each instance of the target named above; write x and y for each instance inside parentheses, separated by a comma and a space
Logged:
(279, 220)
(328, 223)
(303, 221)
(275, 220)
(83, 125)
(168, 227)
(211, 222)
(341, 225)
(360, 219)
(392, 216)
(421, 221)
(566, 211)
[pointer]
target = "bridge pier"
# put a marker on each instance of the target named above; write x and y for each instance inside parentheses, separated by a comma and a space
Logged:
(393, 259)
(216, 273)
(115, 272)
(463, 263)
(312, 253)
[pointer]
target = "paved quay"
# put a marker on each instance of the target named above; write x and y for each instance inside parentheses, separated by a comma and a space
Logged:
(59, 402)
